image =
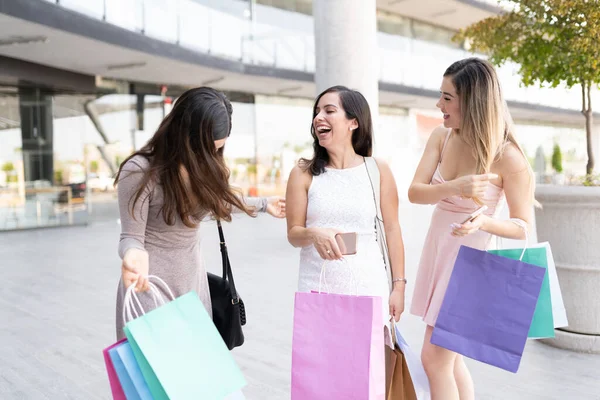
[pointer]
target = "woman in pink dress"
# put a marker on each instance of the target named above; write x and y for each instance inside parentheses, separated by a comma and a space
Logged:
(473, 160)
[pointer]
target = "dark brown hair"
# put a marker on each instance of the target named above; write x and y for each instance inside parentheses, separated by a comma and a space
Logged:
(185, 140)
(356, 107)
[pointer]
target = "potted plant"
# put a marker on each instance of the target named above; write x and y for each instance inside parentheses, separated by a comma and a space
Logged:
(555, 42)
(559, 177)
(94, 167)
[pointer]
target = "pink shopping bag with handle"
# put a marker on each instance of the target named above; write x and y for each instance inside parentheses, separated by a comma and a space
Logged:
(338, 347)
(113, 379)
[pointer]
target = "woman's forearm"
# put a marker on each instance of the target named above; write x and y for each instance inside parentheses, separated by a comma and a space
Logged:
(300, 236)
(424, 193)
(395, 246)
(257, 204)
(504, 228)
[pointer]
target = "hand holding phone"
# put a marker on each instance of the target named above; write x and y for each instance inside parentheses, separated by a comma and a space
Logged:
(475, 214)
(346, 242)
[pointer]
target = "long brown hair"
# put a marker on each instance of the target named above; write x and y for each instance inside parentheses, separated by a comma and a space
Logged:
(356, 107)
(485, 124)
(184, 143)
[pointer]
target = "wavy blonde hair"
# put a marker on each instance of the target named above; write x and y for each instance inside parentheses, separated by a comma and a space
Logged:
(486, 124)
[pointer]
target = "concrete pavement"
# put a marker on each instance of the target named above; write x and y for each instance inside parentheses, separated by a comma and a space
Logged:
(57, 311)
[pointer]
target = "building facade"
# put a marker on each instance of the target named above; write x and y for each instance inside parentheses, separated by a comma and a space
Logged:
(85, 82)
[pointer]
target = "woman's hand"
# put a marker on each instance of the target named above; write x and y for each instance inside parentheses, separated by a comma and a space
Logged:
(324, 241)
(473, 186)
(461, 230)
(276, 206)
(397, 303)
(134, 268)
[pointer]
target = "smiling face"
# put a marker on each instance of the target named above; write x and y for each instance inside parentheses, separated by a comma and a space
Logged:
(449, 104)
(330, 122)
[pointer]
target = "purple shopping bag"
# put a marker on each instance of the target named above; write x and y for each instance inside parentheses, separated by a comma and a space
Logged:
(113, 379)
(338, 347)
(488, 308)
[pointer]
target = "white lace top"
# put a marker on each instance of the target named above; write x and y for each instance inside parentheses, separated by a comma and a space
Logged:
(343, 199)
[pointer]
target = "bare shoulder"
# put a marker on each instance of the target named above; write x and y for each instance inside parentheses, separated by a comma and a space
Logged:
(437, 137)
(439, 132)
(383, 166)
(512, 161)
(386, 174)
(300, 175)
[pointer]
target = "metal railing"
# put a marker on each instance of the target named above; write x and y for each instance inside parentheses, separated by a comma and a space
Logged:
(223, 28)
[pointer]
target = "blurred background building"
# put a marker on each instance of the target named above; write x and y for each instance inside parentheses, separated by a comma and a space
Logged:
(85, 82)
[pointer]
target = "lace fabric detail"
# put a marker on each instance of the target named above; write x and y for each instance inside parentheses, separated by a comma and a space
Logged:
(343, 199)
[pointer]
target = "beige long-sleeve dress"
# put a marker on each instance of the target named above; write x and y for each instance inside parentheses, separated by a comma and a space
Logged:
(174, 250)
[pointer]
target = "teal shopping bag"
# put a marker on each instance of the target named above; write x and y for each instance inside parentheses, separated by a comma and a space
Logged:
(542, 325)
(181, 354)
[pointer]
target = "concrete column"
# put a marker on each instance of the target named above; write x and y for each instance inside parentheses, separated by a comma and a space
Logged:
(346, 47)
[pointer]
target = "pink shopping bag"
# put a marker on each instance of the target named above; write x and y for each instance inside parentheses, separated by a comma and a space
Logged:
(113, 379)
(338, 347)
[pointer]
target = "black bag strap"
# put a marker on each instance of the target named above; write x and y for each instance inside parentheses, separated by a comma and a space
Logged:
(227, 273)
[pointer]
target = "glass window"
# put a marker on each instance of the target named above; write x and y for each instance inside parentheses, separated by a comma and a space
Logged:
(393, 24)
(300, 6)
(431, 33)
(43, 178)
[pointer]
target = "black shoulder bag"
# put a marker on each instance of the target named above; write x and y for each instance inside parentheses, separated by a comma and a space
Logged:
(228, 309)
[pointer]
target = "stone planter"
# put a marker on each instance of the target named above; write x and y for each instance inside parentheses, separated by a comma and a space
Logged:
(570, 222)
(558, 179)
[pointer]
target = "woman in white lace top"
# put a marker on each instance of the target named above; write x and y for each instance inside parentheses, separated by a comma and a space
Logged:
(332, 193)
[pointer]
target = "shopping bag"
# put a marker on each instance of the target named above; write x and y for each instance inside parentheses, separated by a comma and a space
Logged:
(239, 395)
(415, 367)
(400, 386)
(559, 314)
(129, 373)
(115, 386)
(181, 353)
(338, 347)
(542, 325)
(488, 308)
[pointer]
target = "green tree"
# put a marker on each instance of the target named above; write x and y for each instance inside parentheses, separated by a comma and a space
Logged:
(58, 177)
(8, 167)
(557, 159)
(554, 42)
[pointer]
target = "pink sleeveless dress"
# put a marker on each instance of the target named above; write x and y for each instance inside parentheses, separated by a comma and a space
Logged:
(441, 248)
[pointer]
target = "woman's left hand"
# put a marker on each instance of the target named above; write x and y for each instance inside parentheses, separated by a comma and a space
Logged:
(396, 304)
(468, 228)
(276, 206)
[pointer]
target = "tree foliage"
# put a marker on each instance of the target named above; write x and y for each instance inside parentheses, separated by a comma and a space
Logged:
(553, 41)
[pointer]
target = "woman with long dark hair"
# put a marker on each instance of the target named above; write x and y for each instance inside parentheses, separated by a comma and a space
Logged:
(334, 193)
(168, 187)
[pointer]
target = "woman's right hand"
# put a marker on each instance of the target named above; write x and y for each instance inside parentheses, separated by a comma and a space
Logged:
(135, 267)
(473, 186)
(324, 241)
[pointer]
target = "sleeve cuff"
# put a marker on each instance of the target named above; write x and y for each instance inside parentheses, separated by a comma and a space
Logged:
(129, 243)
(262, 204)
